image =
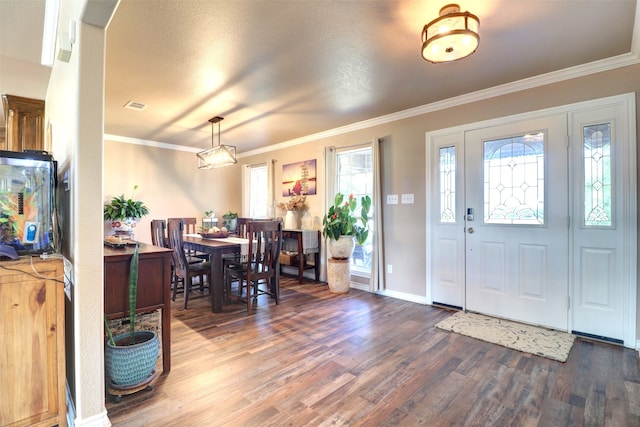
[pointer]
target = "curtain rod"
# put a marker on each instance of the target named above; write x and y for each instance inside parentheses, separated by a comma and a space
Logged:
(362, 144)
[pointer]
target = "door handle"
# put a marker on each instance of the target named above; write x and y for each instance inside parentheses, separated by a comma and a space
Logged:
(470, 230)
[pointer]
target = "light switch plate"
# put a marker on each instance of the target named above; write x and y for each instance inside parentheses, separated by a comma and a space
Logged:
(392, 199)
(407, 199)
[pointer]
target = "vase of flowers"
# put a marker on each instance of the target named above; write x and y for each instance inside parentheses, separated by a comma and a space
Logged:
(293, 206)
(341, 225)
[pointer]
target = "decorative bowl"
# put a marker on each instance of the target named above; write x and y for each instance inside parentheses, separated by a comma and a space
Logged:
(219, 235)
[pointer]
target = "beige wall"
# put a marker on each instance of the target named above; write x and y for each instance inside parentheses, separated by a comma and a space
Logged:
(404, 169)
(169, 183)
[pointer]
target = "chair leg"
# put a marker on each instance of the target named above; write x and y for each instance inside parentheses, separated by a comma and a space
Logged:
(176, 284)
(249, 286)
(274, 288)
(187, 289)
(201, 279)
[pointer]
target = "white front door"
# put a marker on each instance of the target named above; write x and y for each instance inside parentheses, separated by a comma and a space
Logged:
(534, 218)
(517, 231)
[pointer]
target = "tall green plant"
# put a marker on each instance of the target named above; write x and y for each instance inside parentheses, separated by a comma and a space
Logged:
(133, 293)
(133, 296)
(341, 219)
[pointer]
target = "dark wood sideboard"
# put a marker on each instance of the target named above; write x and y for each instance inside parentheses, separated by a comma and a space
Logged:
(301, 260)
(154, 287)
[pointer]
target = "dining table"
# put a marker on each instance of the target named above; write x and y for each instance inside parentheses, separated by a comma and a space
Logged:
(216, 248)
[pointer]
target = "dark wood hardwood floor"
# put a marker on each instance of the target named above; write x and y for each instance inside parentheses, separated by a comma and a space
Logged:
(360, 359)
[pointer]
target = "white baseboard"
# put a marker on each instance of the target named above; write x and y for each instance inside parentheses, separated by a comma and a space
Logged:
(393, 294)
(99, 420)
(404, 296)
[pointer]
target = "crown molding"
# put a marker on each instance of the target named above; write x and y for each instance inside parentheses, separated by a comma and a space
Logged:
(149, 143)
(600, 66)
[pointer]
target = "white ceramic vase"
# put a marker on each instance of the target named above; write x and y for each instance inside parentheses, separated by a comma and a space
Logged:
(291, 221)
(343, 247)
(124, 227)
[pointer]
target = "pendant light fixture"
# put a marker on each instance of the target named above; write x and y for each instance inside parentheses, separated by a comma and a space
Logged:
(218, 155)
(451, 36)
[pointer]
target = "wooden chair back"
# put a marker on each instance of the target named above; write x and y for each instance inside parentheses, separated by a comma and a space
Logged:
(262, 264)
(190, 225)
(183, 267)
(265, 242)
(241, 227)
(158, 233)
(175, 232)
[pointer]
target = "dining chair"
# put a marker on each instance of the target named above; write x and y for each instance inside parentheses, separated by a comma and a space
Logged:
(158, 233)
(183, 268)
(190, 225)
(241, 227)
(241, 232)
(257, 270)
(159, 238)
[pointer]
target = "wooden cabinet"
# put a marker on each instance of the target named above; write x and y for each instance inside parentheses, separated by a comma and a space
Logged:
(25, 123)
(32, 360)
(154, 287)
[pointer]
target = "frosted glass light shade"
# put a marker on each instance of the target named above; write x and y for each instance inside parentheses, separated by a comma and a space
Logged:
(452, 36)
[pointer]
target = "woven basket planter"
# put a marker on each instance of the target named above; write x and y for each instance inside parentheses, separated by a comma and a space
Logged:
(128, 365)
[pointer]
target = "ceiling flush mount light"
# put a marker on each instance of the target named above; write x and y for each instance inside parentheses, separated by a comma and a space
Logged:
(218, 155)
(451, 36)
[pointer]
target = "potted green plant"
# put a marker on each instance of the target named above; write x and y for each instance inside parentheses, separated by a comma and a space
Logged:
(130, 358)
(124, 213)
(229, 220)
(341, 225)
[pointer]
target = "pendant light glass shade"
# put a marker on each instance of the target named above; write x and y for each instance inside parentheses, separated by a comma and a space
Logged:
(452, 36)
(218, 155)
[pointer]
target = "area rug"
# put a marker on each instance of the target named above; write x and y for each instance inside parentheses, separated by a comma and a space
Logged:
(543, 342)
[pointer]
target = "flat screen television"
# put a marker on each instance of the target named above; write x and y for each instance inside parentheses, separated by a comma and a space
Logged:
(27, 201)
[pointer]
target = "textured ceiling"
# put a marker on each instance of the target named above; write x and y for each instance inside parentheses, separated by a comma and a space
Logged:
(281, 70)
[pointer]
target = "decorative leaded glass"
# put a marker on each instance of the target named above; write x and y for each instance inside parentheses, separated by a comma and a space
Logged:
(596, 150)
(514, 180)
(447, 184)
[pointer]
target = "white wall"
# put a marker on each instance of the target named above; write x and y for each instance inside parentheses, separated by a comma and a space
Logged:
(74, 114)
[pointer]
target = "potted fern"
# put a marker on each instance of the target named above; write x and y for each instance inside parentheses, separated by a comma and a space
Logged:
(130, 358)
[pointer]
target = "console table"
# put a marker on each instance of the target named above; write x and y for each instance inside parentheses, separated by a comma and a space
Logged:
(306, 242)
(154, 287)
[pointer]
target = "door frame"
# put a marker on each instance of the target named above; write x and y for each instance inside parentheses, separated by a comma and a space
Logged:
(628, 192)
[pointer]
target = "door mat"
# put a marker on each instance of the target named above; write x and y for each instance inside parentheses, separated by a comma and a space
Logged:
(536, 340)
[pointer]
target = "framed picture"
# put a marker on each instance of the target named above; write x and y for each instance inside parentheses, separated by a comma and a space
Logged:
(299, 178)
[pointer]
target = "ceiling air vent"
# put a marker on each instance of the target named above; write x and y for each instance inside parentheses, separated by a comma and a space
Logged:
(133, 105)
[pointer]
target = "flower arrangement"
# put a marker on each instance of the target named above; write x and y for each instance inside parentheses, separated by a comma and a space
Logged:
(295, 203)
(341, 220)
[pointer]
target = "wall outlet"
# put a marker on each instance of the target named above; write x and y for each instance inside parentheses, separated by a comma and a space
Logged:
(392, 199)
(389, 269)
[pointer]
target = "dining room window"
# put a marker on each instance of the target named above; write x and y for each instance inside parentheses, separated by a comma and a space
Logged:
(257, 192)
(354, 175)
